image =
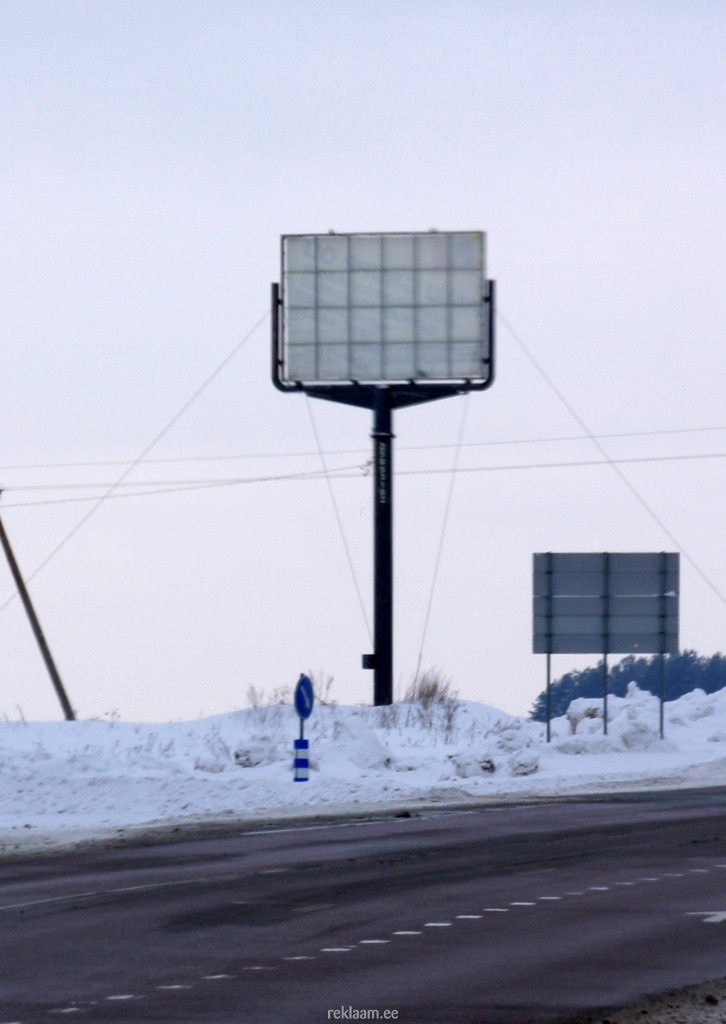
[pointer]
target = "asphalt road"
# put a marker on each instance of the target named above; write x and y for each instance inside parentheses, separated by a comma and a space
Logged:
(515, 914)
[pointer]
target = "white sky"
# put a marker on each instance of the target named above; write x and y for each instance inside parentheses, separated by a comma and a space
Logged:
(152, 155)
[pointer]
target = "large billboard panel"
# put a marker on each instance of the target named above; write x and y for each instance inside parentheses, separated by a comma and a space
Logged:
(385, 308)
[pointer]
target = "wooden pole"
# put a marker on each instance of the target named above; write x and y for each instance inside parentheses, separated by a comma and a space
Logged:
(44, 649)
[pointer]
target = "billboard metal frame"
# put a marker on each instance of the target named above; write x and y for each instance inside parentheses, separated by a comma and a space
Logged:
(382, 397)
(606, 603)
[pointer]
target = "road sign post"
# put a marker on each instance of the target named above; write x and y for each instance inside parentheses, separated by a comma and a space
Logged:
(304, 700)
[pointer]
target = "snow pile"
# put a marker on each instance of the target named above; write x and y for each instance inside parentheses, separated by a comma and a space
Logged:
(89, 778)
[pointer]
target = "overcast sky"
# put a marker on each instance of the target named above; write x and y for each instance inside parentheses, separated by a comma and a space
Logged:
(152, 155)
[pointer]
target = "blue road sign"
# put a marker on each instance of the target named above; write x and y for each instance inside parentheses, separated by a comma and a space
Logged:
(304, 697)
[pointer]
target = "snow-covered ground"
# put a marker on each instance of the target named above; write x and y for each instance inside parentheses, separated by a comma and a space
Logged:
(64, 782)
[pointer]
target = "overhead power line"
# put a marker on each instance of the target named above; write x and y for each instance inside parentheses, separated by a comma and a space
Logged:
(504, 442)
(142, 455)
(606, 456)
(158, 487)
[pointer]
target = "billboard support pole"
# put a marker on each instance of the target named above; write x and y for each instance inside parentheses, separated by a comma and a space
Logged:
(548, 696)
(343, 301)
(383, 548)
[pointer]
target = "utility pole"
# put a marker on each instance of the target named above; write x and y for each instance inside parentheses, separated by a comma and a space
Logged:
(44, 649)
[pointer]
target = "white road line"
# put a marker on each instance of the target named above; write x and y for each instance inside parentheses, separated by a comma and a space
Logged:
(298, 958)
(113, 892)
(680, 874)
(171, 988)
(549, 897)
(574, 894)
(468, 917)
(698, 871)
(217, 977)
(438, 924)
(625, 883)
(650, 879)
(257, 968)
(407, 933)
(337, 949)
(111, 999)
(599, 888)
(496, 910)
(374, 942)
(521, 903)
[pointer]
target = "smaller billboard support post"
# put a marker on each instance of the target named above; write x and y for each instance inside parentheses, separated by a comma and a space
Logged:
(605, 642)
(663, 617)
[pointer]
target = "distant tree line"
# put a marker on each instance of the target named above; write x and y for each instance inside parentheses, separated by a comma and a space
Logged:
(683, 672)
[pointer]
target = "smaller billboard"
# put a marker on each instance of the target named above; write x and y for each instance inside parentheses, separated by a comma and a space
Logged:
(606, 603)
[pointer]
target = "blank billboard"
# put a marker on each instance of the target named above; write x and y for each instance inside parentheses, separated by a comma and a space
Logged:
(389, 307)
(606, 603)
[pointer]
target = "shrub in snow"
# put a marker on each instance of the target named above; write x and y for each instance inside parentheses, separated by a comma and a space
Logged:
(256, 753)
(523, 762)
(351, 738)
(511, 736)
(469, 766)
(208, 763)
(582, 708)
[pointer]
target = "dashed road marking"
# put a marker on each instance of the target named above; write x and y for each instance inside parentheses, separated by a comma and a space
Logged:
(709, 916)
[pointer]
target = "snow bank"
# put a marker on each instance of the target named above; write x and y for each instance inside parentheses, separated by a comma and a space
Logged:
(71, 779)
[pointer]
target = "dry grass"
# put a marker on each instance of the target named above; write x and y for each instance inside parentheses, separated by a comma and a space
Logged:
(428, 688)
